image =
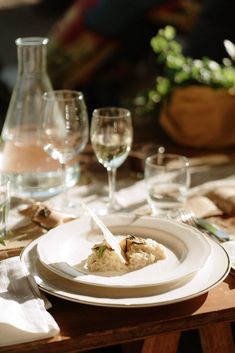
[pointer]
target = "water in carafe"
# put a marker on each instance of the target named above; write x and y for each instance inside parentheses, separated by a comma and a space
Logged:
(33, 172)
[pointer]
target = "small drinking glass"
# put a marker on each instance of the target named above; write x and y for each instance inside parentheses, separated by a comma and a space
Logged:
(111, 137)
(4, 204)
(167, 180)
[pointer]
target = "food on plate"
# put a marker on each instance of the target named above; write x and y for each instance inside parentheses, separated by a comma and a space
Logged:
(138, 252)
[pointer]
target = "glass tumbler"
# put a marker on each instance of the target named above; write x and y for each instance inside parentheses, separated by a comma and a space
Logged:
(167, 181)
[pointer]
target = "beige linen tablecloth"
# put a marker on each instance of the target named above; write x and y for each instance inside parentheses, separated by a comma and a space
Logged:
(22, 230)
(212, 195)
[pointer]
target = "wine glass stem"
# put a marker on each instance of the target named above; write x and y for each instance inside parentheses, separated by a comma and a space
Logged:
(112, 185)
(63, 181)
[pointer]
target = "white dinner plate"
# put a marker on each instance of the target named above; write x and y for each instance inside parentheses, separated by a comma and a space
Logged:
(215, 270)
(64, 251)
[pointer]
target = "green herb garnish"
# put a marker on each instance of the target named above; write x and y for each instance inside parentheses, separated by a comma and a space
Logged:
(100, 250)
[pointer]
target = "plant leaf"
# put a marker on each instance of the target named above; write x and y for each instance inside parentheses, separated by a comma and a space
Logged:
(230, 48)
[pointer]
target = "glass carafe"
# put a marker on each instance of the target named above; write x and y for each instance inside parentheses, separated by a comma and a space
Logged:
(34, 173)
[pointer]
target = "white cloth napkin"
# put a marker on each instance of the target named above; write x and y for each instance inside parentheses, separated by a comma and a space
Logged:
(132, 195)
(23, 316)
(128, 197)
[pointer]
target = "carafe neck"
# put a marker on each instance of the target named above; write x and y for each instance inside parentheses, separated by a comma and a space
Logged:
(31, 55)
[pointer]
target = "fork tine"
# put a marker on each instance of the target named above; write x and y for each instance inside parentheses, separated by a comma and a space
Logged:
(188, 217)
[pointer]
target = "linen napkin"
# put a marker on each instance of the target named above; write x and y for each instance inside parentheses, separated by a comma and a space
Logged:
(23, 316)
(224, 198)
(132, 195)
(44, 216)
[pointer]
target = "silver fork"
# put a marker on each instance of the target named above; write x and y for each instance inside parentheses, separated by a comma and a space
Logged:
(190, 218)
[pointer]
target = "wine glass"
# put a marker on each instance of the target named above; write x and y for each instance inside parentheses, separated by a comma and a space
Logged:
(111, 137)
(65, 130)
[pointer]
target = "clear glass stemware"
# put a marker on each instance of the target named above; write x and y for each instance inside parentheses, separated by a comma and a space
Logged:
(65, 129)
(111, 137)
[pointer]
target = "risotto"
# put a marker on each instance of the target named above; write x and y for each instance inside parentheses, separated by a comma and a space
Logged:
(138, 252)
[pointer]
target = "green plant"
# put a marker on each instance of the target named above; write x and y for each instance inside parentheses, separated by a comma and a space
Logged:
(180, 70)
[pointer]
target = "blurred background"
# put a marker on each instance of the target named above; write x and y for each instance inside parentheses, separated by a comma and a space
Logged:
(103, 47)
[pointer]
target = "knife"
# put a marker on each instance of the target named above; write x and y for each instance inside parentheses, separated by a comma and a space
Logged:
(220, 234)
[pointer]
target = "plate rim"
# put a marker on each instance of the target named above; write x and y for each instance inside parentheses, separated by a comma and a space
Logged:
(196, 233)
(83, 299)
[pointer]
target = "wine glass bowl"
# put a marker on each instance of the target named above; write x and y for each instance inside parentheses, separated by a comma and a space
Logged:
(111, 137)
(65, 129)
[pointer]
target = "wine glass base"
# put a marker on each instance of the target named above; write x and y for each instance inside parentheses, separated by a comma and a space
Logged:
(106, 208)
(68, 208)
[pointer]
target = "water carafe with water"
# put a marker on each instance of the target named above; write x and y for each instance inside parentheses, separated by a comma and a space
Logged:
(33, 172)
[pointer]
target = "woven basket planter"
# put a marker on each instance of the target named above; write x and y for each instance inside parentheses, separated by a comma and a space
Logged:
(200, 116)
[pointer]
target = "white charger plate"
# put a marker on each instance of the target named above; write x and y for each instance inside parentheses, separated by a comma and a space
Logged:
(215, 271)
(64, 251)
